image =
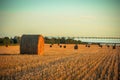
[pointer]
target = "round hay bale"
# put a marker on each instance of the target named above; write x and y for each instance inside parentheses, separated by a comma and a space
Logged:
(114, 47)
(76, 46)
(108, 46)
(32, 44)
(64, 46)
(100, 46)
(60, 46)
(88, 46)
(6, 45)
(51, 45)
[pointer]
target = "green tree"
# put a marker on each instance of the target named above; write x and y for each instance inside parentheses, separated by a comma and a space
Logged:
(6, 41)
(16, 39)
(1, 41)
(63, 40)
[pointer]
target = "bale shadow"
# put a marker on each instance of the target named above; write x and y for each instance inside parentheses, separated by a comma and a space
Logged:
(8, 54)
(15, 54)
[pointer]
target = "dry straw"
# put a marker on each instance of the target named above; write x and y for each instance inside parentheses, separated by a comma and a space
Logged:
(32, 44)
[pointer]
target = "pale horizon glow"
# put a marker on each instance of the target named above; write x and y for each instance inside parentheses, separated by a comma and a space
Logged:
(60, 18)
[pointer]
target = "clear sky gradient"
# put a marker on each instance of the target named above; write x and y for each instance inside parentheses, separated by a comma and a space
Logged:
(60, 17)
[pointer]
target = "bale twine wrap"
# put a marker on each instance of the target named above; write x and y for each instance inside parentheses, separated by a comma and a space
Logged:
(32, 44)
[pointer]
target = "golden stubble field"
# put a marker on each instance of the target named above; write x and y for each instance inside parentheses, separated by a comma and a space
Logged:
(57, 63)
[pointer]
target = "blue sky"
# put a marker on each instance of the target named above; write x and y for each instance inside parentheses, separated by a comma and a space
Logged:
(60, 17)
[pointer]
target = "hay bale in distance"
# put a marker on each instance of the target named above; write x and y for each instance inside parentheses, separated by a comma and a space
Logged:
(76, 46)
(32, 44)
(51, 45)
(6, 45)
(88, 46)
(64, 46)
(114, 47)
(60, 46)
(100, 46)
(108, 46)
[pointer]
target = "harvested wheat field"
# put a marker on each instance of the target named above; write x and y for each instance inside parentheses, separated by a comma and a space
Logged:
(85, 63)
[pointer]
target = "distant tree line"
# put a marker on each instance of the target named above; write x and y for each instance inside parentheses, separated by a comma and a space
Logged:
(9, 41)
(61, 40)
(53, 40)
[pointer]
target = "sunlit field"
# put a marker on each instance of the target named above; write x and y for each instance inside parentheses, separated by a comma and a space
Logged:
(86, 63)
